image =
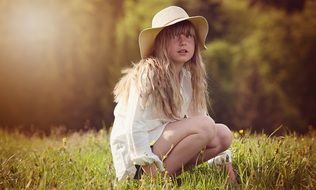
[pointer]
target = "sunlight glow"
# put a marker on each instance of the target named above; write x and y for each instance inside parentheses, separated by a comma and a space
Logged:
(32, 23)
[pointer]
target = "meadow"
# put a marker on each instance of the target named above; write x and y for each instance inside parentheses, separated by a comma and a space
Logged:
(83, 161)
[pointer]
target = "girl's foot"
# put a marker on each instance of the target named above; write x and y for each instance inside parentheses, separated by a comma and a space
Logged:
(225, 159)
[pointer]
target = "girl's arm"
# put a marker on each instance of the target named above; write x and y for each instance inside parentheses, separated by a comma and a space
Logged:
(137, 135)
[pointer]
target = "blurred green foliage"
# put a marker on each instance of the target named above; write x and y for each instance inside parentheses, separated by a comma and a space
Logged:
(260, 60)
(264, 68)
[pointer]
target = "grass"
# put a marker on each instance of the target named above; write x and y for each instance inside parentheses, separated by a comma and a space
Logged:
(83, 161)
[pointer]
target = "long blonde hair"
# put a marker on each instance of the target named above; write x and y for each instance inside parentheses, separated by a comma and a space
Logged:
(155, 77)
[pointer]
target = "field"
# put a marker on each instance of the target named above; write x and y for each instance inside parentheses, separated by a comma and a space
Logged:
(83, 161)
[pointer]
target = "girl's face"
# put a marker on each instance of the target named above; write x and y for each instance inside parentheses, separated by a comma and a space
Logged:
(181, 47)
(177, 42)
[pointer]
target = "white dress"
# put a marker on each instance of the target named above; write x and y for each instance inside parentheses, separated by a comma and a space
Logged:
(135, 129)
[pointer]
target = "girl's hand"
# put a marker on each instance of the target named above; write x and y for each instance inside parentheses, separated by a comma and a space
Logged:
(150, 169)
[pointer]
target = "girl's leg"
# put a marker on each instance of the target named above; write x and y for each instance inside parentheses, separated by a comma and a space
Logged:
(217, 145)
(183, 140)
(220, 143)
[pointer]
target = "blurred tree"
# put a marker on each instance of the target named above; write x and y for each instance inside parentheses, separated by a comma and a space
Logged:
(288, 5)
(257, 68)
(261, 60)
(57, 73)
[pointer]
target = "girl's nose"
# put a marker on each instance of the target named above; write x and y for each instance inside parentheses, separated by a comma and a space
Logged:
(182, 39)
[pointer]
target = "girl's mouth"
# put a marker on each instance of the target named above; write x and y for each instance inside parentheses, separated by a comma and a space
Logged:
(183, 51)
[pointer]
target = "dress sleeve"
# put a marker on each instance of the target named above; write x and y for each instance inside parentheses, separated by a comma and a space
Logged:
(137, 134)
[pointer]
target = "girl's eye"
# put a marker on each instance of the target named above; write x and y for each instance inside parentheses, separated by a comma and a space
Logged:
(176, 36)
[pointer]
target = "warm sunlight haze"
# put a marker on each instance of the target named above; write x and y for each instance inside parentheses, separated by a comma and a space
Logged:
(60, 61)
(32, 26)
(32, 23)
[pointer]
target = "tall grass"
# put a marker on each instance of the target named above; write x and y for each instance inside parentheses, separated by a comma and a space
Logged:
(83, 161)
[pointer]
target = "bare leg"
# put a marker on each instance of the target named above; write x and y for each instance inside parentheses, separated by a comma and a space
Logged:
(217, 145)
(220, 143)
(183, 140)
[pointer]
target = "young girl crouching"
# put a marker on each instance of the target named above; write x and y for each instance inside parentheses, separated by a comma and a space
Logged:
(161, 122)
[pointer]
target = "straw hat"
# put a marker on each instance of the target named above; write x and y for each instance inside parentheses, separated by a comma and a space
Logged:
(166, 17)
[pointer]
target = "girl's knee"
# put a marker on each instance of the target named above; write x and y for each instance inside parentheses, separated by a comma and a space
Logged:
(206, 127)
(225, 135)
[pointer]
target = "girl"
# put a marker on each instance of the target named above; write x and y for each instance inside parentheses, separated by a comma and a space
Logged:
(161, 122)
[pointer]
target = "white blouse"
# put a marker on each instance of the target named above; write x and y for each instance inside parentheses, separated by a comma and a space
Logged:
(135, 129)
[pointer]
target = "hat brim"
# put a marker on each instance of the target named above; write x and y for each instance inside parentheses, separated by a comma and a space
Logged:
(147, 36)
